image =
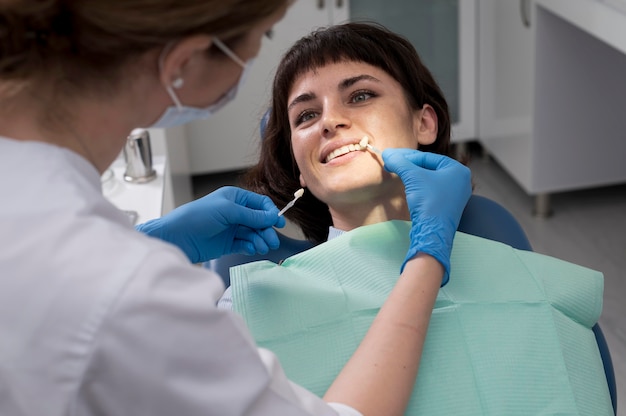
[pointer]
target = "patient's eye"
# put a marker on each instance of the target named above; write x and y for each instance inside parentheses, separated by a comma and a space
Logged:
(362, 95)
(304, 116)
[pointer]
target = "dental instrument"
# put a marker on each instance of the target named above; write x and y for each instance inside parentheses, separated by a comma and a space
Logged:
(296, 195)
(364, 144)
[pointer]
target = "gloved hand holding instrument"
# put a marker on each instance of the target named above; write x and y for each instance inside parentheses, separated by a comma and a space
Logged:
(228, 220)
(437, 189)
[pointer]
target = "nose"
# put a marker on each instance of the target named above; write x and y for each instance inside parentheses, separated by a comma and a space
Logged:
(333, 119)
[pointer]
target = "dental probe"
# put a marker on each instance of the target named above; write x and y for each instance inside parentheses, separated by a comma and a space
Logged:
(364, 143)
(296, 195)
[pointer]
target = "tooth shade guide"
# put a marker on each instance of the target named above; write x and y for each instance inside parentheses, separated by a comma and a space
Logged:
(296, 195)
(364, 143)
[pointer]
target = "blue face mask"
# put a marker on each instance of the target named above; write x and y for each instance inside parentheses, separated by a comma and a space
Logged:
(178, 114)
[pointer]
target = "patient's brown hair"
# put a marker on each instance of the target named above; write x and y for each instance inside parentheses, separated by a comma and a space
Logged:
(276, 173)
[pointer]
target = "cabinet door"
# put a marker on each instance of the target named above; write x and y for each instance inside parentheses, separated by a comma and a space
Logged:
(505, 68)
(506, 84)
(443, 33)
(229, 140)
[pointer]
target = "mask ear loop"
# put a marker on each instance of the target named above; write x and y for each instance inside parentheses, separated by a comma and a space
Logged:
(228, 52)
(177, 83)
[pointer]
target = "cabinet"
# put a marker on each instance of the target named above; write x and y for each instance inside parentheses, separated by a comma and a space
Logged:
(552, 98)
(505, 82)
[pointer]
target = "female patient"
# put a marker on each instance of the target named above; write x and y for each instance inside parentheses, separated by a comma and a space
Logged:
(332, 89)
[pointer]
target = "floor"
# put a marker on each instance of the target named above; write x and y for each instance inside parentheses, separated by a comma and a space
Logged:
(586, 227)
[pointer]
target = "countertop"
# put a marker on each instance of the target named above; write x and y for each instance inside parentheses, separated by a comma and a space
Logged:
(146, 198)
(604, 19)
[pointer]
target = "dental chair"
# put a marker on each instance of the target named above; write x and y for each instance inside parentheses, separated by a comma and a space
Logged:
(482, 217)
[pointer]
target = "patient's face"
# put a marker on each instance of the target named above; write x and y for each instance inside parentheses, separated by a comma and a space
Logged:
(336, 106)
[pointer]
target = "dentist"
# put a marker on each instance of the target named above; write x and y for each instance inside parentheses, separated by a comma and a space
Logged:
(99, 319)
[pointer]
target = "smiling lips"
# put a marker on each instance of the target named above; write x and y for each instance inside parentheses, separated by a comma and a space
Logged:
(344, 150)
(362, 145)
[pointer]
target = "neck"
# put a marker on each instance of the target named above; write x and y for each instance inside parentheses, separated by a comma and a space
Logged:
(95, 129)
(349, 217)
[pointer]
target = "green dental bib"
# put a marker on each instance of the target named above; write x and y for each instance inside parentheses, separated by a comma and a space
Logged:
(510, 333)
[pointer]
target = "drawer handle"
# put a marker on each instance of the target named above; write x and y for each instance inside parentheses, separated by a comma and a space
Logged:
(524, 6)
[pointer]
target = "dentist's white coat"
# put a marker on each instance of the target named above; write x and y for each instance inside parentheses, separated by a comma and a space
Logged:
(97, 319)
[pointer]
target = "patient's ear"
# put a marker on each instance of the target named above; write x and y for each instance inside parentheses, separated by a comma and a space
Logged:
(425, 125)
(302, 182)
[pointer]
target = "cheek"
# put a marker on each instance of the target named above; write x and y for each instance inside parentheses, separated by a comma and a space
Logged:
(298, 155)
(306, 178)
(305, 150)
(302, 156)
(309, 176)
(410, 142)
(253, 49)
(396, 132)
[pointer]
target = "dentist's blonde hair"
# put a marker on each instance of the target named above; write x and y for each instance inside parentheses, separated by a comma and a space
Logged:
(86, 44)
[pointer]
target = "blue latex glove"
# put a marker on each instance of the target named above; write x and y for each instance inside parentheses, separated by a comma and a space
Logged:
(437, 189)
(229, 220)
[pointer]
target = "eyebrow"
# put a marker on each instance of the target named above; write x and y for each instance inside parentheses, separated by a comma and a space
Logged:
(346, 83)
(302, 98)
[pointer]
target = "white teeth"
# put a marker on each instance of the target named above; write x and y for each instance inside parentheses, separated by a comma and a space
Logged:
(343, 150)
